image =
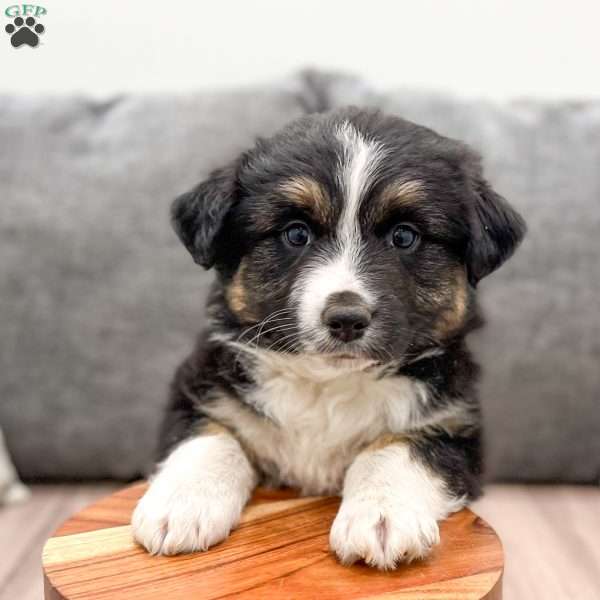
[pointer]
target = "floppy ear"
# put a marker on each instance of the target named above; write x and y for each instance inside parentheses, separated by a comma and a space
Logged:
(198, 215)
(496, 231)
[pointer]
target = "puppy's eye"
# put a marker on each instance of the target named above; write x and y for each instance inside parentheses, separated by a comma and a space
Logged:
(404, 236)
(297, 235)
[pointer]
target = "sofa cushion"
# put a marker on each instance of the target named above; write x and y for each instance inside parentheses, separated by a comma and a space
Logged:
(540, 350)
(99, 300)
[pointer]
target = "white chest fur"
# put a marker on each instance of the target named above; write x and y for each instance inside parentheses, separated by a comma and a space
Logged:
(317, 417)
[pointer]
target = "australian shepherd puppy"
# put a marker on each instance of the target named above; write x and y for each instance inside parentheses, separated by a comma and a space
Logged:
(347, 250)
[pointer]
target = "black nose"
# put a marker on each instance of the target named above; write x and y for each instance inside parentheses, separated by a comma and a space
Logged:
(346, 316)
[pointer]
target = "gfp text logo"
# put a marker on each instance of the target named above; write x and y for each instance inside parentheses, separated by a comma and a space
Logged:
(24, 28)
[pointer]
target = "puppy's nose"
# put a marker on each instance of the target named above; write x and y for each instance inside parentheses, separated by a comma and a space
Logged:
(346, 316)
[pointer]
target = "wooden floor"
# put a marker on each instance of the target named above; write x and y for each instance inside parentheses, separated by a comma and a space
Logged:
(551, 537)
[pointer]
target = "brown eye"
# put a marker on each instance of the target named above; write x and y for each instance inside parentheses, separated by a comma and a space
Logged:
(297, 235)
(404, 236)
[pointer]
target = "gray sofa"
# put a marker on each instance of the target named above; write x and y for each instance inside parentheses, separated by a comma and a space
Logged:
(99, 302)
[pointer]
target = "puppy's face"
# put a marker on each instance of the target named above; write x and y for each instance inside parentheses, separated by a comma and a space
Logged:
(349, 234)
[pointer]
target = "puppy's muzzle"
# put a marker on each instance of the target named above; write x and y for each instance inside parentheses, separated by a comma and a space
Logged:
(346, 316)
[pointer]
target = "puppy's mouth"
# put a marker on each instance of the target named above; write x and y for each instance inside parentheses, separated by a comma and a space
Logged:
(348, 360)
(352, 352)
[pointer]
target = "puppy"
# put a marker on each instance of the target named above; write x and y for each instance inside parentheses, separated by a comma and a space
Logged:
(347, 250)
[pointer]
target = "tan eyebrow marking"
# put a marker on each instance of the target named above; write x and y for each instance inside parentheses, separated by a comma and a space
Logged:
(308, 194)
(401, 193)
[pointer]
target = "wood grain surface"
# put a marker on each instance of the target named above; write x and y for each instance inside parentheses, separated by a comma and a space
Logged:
(280, 550)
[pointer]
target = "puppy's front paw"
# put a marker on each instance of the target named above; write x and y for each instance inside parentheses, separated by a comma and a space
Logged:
(175, 519)
(380, 533)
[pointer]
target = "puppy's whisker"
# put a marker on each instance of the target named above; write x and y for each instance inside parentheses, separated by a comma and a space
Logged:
(253, 344)
(265, 321)
(269, 318)
(291, 344)
(256, 339)
(292, 335)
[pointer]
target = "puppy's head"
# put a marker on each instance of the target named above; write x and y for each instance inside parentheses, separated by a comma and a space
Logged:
(349, 234)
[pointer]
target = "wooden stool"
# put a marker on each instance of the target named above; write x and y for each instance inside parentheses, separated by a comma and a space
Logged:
(279, 551)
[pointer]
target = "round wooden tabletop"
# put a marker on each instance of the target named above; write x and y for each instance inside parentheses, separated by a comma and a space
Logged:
(279, 551)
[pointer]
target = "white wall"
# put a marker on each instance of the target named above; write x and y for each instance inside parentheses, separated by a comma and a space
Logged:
(491, 48)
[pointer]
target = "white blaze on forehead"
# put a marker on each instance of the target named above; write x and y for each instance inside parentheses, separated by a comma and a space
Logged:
(358, 164)
(341, 272)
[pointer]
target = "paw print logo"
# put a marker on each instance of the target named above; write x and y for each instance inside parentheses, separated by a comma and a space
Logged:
(24, 32)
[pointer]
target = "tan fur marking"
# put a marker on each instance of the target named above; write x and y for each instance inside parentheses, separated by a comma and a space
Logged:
(213, 428)
(308, 194)
(452, 318)
(236, 295)
(384, 440)
(400, 193)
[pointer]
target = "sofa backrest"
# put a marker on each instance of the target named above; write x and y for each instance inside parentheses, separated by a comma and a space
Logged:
(99, 302)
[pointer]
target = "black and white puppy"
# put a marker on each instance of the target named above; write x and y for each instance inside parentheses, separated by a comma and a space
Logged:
(347, 250)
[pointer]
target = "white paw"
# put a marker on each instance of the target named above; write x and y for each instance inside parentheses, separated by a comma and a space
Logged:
(381, 533)
(175, 518)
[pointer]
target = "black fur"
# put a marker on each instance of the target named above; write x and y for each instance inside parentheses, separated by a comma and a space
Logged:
(496, 230)
(197, 216)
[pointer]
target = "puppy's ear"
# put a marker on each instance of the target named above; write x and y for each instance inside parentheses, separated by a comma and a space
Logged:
(496, 231)
(198, 215)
